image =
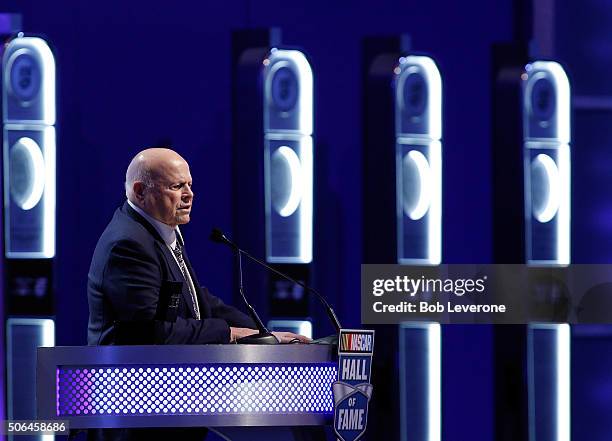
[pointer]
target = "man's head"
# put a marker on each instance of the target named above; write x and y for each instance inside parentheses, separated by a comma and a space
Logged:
(158, 181)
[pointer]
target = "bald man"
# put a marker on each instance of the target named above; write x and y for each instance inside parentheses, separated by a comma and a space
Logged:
(141, 287)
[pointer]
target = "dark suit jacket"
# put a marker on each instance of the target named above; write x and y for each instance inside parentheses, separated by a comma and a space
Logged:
(130, 285)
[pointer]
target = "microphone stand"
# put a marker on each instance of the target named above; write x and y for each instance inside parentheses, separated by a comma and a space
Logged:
(330, 312)
(264, 337)
(218, 236)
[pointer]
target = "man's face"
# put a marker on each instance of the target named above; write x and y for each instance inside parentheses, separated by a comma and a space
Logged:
(170, 198)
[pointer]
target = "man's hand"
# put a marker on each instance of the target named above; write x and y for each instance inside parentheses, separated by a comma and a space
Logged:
(282, 337)
(236, 333)
(290, 337)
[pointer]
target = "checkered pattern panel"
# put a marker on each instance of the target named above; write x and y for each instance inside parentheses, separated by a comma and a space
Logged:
(195, 389)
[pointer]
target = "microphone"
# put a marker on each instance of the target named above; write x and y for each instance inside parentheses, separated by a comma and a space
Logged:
(264, 337)
(218, 236)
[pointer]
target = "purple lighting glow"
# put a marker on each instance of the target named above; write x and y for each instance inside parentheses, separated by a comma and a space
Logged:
(195, 389)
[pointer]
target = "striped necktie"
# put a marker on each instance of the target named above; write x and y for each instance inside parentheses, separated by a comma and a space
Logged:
(178, 253)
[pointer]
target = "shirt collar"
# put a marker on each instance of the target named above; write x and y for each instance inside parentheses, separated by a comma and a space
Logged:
(167, 233)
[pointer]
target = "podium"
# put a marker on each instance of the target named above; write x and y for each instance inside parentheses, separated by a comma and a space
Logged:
(239, 391)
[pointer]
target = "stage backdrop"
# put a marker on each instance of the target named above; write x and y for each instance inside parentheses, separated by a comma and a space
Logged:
(135, 74)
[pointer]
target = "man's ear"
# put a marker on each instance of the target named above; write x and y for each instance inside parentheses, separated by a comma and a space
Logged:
(138, 188)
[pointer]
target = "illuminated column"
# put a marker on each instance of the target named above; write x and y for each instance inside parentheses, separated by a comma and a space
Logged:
(420, 381)
(272, 120)
(548, 357)
(28, 109)
(547, 164)
(288, 150)
(418, 128)
(402, 210)
(29, 149)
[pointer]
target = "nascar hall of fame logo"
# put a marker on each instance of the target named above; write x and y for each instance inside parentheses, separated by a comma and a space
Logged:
(353, 390)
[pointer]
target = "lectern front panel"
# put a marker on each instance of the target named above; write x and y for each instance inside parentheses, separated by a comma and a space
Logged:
(184, 386)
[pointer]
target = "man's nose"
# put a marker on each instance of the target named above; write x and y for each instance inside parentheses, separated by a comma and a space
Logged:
(188, 193)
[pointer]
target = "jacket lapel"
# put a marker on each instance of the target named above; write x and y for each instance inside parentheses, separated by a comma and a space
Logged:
(178, 275)
(176, 272)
